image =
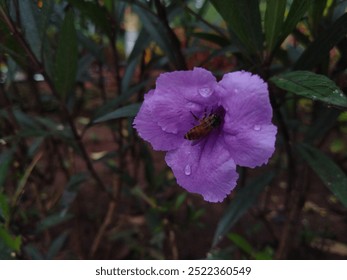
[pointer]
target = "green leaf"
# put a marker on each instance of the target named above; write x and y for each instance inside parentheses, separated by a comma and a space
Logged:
(34, 24)
(121, 99)
(241, 242)
(52, 221)
(94, 12)
(297, 10)
(124, 112)
(327, 170)
(32, 251)
(243, 200)
(243, 18)
(56, 246)
(4, 209)
(5, 161)
(316, 13)
(311, 85)
(66, 57)
(274, 17)
(320, 48)
(13, 242)
(29, 20)
(325, 120)
(213, 38)
(156, 30)
(129, 74)
(10, 46)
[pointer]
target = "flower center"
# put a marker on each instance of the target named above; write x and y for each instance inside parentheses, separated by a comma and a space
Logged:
(206, 124)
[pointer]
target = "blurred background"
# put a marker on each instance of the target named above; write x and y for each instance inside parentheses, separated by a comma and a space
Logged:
(76, 181)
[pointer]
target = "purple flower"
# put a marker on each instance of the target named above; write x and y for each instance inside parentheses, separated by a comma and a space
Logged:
(207, 127)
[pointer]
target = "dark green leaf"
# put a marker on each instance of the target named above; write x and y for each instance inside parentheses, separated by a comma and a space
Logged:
(241, 242)
(129, 74)
(243, 18)
(179, 200)
(5, 162)
(320, 48)
(317, 12)
(126, 111)
(13, 242)
(243, 200)
(327, 170)
(324, 122)
(34, 23)
(4, 209)
(71, 189)
(97, 14)
(33, 252)
(213, 38)
(150, 174)
(297, 10)
(142, 42)
(52, 221)
(56, 246)
(274, 17)
(311, 85)
(157, 31)
(34, 146)
(10, 46)
(66, 57)
(29, 18)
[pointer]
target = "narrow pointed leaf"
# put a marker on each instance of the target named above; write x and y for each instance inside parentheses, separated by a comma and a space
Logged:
(243, 200)
(56, 246)
(311, 85)
(322, 124)
(327, 170)
(96, 13)
(66, 57)
(243, 18)
(156, 31)
(213, 38)
(34, 24)
(30, 26)
(126, 111)
(297, 10)
(274, 17)
(320, 48)
(5, 162)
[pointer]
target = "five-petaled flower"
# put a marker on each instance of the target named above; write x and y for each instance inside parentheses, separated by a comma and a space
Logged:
(208, 127)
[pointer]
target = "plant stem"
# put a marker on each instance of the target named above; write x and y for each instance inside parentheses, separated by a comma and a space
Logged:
(36, 64)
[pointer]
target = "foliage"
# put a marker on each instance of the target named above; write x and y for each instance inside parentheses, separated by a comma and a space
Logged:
(77, 182)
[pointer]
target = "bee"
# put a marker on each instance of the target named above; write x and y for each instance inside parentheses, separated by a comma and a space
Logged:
(205, 126)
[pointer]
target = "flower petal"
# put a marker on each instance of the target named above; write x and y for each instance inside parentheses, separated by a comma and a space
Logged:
(248, 132)
(245, 98)
(196, 85)
(149, 130)
(180, 93)
(205, 168)
(252, 147)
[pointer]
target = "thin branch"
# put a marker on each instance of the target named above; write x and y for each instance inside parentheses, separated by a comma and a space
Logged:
(65, 112)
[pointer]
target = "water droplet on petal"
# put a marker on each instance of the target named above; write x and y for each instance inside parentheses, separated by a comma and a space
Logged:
(257, 127)
(187, 170)
(205, 92)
